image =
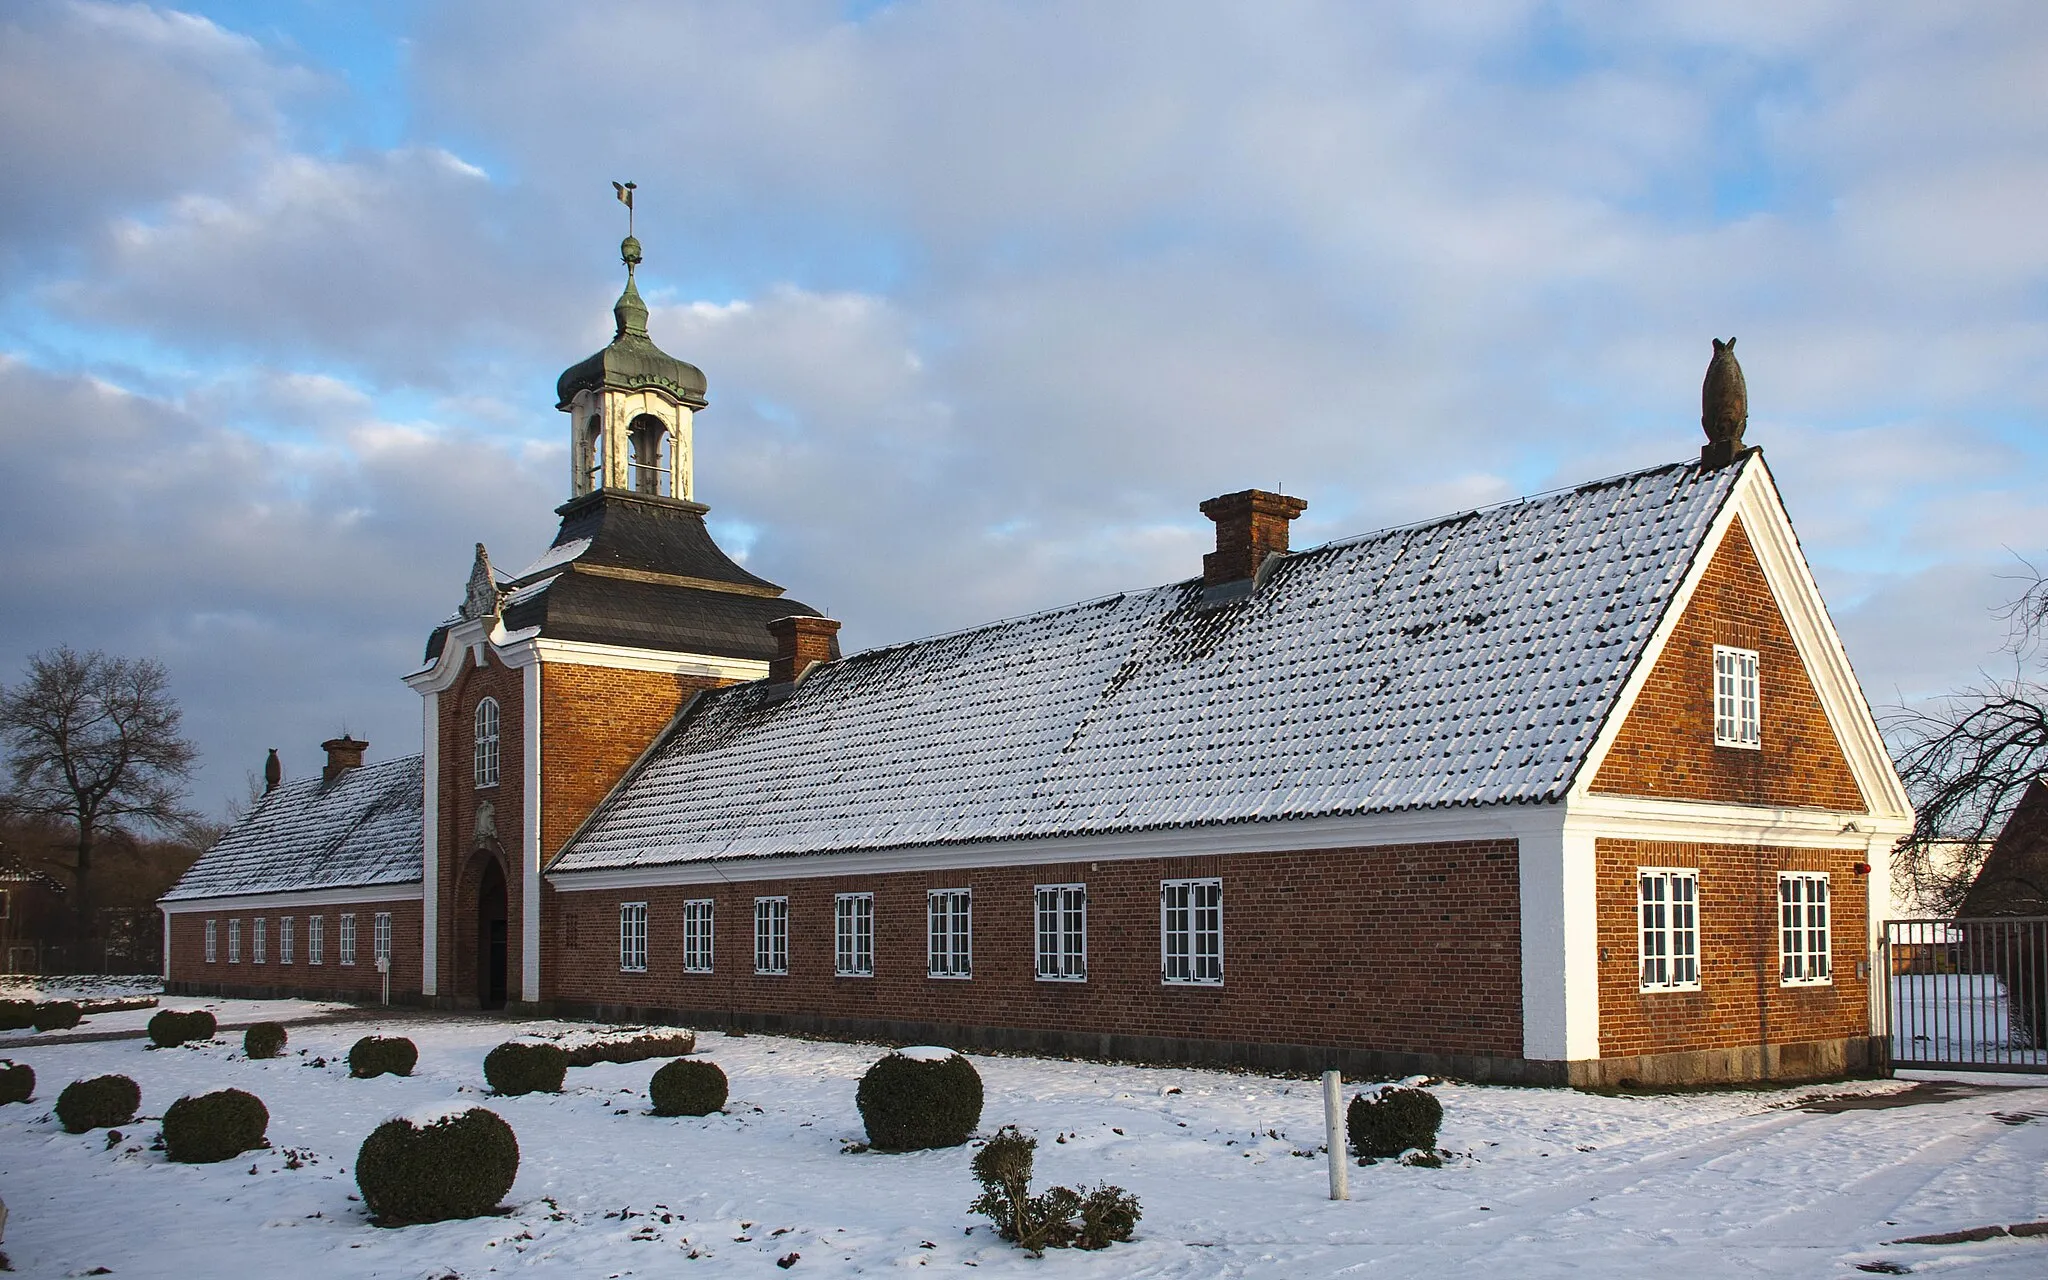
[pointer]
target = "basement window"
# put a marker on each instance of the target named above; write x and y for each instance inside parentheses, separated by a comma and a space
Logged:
(853, 935)
(1737, 722)
(949, 949)
(1062, 911)
(633, 937)
(1804, 935)
(697, 917)
(771, 935)
(1191, 932)
(1669, 900)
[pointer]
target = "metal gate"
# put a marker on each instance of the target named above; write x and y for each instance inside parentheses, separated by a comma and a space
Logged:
(1968, 993)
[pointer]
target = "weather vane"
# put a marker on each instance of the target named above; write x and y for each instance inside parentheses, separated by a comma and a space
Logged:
(625, 190)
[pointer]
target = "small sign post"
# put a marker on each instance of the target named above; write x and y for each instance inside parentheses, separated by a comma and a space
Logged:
(384, 968)
(1333, 1129)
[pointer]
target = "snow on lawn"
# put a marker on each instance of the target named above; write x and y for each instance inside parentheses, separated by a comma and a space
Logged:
(79, 986)
(1556, 1183)
(228, 1013)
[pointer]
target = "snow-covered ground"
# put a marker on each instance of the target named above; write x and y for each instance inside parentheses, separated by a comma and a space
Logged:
(78, 986)
(1958, 1017)
(1553, 1183)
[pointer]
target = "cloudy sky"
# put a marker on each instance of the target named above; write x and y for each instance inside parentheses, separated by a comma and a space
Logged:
(990, 296)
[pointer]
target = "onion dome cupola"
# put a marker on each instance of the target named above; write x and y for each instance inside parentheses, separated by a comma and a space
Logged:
(630, 405)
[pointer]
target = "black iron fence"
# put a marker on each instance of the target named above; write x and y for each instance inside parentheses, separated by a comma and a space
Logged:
(1968, 993)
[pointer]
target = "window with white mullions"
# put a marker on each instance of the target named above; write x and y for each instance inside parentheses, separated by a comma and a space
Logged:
(950, 934)
(853, 935)
(380, 937)
(1062, 932)
(316, 940)
(348, 938)
(1191, 932)
(259, 941)
(487, 743)
(234, 942)
(771, 935)
(1804, 936)
(697, 935)
(1737, 722)
(287, 927)
(633, 937)
(1669, 901)
(212, 942)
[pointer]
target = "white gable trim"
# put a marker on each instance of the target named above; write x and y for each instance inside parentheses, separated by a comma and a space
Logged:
(1756, 503)
(430, 843)
(529, 905)
(288, 900)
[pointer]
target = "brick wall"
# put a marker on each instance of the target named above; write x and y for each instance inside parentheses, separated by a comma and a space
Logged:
(1739, 1002)
(273, 977)
(1413, 949)
(460, 798)
(595, 722)
(1666, 748)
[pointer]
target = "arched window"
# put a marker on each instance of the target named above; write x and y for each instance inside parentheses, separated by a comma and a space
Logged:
(653, 465)
(593, 454)
(487, 743)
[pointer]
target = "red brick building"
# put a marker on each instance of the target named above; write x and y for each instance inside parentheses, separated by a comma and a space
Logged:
(1576, 788)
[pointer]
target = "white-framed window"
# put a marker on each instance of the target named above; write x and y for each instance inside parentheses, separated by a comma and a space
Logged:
(697, 918)
(949, 933)
(853, 935)
(487, 743)
(348, 938)
(1669, 898)
(1191, 932)
(287, 929)
(1804, 937)
(259, 940)
(380, 936)
(316, 939)
(1737, 720)
(1062, 932)
(212, 942)
(234, 942)
(633, 937)
(771, 935)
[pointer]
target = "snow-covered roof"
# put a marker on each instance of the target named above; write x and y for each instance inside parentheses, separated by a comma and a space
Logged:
(361, 829)
(1470, 660)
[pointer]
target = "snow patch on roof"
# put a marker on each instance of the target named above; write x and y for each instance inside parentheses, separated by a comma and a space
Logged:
(364, 828)
(1470, 660)
(553, 556)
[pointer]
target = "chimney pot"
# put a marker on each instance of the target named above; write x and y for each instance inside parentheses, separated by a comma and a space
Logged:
(343, 753)
(800, 640)
(1250, 525)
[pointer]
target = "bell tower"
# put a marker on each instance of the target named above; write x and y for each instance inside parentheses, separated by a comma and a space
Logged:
(631, 405)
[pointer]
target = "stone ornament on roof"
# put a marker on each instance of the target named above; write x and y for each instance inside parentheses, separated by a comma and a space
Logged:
(482, 598)
(1724, 407)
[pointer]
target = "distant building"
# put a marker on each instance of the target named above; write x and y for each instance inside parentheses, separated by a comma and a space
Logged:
(1576, 788)
(35, 916)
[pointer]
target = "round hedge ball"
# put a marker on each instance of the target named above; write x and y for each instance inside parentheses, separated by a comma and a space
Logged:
(172, 1027)
(687, 1087)
(517, 1067)
(17, 1015)
(57, 1015)
(263, 1040)
(17, 1081)
(211, 1127)
(456, 1166)
(1382, 1125)
(918, 1098)
(99, 1103)
(382, 1055)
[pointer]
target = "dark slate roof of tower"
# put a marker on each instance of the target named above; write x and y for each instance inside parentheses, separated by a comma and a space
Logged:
(642, 572)
(362, 829)
(1466, 661)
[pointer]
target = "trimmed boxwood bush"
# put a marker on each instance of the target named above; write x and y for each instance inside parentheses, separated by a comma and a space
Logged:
(99, 1103)
(516, 1067)
(264, 1040)
(17, 1015)
(214, 1126)
(57, 1015)
(1384, 1124)
(458, 1166)
(914, 1099)
(171, 1028)
(636, 1046)
(17, 1081)
(382, 1055)
(687, 1087)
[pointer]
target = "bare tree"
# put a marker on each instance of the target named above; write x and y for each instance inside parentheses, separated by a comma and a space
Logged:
(93, 742)
(1967, 761)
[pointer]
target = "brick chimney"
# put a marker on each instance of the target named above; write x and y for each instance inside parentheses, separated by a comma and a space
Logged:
(1250, 526)
(343, 753)
(800, 640)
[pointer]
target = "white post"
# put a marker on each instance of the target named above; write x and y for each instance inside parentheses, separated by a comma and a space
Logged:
(384, 968)
(1333, 1130)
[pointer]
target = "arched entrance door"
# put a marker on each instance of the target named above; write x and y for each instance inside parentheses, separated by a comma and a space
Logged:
(491, 939)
